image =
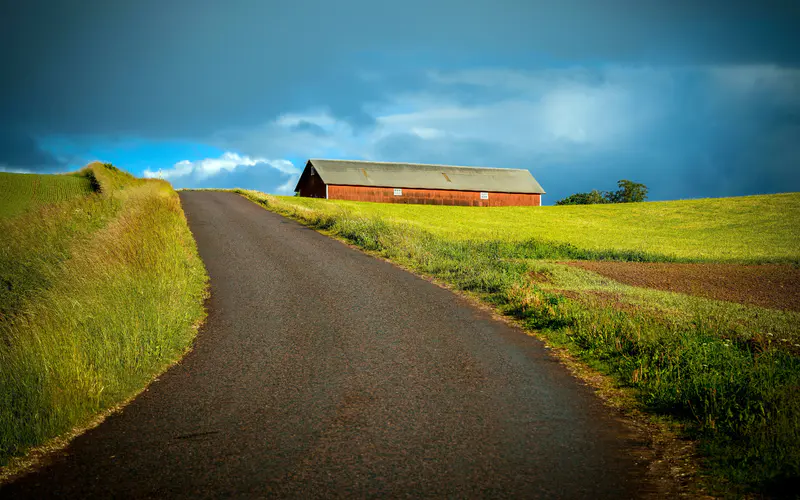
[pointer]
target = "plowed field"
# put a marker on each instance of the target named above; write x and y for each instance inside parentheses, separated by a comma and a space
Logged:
(766, 285)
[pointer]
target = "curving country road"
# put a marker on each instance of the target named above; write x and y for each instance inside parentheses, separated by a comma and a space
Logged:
(324, 372)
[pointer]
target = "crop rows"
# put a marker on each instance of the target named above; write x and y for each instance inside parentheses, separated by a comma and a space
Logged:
(19, 192)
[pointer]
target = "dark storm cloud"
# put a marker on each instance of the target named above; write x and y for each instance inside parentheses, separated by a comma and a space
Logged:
(311, 128)
(19, 150)
(686, 133)
(470, 152)
(187, 69)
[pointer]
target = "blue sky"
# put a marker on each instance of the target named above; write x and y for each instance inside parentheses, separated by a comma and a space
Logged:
(694, 99)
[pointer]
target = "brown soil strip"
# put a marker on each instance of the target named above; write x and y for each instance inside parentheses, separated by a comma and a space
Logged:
(537, 277)
(776, 286)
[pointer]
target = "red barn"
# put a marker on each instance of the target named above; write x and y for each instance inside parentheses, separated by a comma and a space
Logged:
(416, 183)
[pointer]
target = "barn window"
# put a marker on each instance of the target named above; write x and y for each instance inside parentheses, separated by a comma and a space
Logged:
(312, 171)
(484, 196)
(398, 192)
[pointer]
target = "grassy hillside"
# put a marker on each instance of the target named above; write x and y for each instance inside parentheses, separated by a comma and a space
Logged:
(99, 293)
(748, 228)
(24, 191)
(727, 372)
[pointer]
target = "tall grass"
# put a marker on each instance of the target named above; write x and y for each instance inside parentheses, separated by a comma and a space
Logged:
(114, 305)
(36, 243)
(727, 371)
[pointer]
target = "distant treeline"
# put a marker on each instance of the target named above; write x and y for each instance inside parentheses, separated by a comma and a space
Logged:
(628, 192)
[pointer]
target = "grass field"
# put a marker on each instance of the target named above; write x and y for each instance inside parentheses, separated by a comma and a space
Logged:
(100, 293)
(727, 372)
(749, 228)
(24, 191)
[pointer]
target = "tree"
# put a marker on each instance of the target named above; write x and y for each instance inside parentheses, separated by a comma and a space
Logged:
(628, 192)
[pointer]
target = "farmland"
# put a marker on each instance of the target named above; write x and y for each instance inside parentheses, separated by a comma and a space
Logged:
(24, 191)
(102, 290)
(724, 368)
(750, 228)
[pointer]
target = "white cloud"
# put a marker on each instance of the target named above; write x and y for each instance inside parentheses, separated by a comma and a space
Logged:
(540, 117)
(315, 133)
(427, 132)
(209, 167)
(287, 187)
(13, 170)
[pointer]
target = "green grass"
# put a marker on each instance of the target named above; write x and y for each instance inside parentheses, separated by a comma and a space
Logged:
(749, 228)
(100, 293)
(727, 372)
(21, 192)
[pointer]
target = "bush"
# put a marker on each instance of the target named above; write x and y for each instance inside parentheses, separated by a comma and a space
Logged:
(591, 198)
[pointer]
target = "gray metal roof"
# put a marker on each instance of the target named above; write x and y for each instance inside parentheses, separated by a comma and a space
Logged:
(415, 175)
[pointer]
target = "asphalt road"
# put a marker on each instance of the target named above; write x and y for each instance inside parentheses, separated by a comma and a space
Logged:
(324, 372)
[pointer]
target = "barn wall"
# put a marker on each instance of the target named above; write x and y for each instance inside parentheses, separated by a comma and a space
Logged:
(431, 196)
(311, 186)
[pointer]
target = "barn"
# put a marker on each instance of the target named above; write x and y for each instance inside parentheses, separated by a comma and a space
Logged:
(418, 183)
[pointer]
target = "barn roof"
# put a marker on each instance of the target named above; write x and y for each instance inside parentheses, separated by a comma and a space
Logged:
(415, 175)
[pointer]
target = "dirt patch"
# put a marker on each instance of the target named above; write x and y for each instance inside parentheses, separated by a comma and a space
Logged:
(775, 286)
(537, 277)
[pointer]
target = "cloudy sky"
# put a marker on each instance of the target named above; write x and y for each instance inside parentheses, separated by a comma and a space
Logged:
(693, 98)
